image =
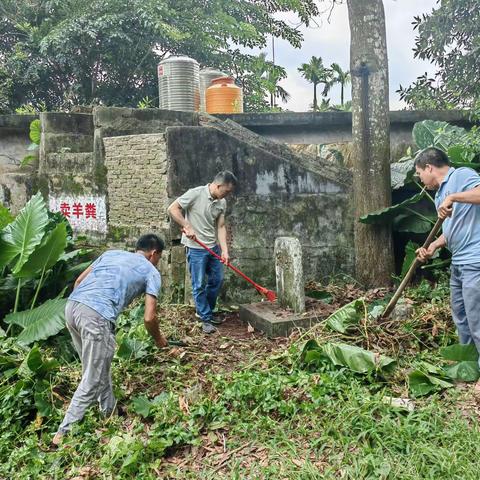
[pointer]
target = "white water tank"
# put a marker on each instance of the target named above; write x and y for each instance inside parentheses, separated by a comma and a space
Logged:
(206, 76)
(179, 84)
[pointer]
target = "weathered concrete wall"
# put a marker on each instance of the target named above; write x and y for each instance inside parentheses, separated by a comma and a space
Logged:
(274, 198)
(333, 127)
(67, 165)
(14, 140)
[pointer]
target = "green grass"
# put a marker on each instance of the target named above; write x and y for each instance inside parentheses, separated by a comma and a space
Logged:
(247, 412)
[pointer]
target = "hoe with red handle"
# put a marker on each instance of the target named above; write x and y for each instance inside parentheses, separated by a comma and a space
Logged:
(269, 294)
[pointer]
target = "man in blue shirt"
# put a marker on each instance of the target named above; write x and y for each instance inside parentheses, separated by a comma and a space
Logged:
(458, 202)
(100, 293)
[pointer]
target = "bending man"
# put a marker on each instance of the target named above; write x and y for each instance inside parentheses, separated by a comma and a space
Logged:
(101, 292)
(204, 219)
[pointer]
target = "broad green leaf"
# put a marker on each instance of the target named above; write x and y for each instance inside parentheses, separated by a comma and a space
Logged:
(322, 295)
(460, 154)
(5, 217)
(347, 315)
(460, 353)
(402, 172)
(409, 258)
(411, 223)
(131, 348)
(356, 358)
(20, 238)
(386, 215)
(142, 405)
(466, 371)
(41, 322)
(34, 364)
(35, 132)
(431, 133)
(47, 253)
(421, 383)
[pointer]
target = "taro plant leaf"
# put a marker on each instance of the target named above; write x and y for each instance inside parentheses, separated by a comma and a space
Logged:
(421, 383)
(386, 215)
(461, 154)
(460, 353)
(347, 315)
(409, 258)
(402, 173)
(131, 348)
(35, 131)
(431, 133)
(356, 358)
(35, 365)
(47, 253)
(41, 322)
(411, 223)
(20, 238)
(466, 371)
(142, 405)
(5, 217)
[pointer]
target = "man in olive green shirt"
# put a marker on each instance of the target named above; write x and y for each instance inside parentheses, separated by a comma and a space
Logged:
(201, 213)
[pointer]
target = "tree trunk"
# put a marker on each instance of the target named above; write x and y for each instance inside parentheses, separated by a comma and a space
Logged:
(374, 261)
(342, 88)
(315, 106)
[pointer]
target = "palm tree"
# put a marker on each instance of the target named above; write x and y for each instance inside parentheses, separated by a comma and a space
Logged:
(315, 72)
(339, 76)
(269, 76)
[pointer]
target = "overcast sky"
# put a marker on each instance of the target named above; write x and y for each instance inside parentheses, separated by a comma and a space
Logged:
(331, 41)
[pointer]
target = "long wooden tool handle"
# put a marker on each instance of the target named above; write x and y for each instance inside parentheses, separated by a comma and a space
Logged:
(391, 305)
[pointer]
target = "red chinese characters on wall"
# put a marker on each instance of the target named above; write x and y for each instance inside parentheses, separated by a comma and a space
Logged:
(78, 210)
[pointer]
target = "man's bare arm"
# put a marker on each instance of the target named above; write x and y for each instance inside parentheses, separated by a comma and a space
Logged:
(222, 237)
(175, 212)
(470, 196)
(151, 322)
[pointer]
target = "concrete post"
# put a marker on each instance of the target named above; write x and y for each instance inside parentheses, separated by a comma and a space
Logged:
(289, 273)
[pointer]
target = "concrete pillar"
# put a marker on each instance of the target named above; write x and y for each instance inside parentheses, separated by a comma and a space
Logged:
(289, 273)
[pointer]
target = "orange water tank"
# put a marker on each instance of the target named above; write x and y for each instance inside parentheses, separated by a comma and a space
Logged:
(223, 96)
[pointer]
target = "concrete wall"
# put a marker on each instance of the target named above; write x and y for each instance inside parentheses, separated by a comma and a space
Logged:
(16, 183)
(333, 127)
(274, 198)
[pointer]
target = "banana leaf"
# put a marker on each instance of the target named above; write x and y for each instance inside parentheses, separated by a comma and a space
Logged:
(46, 254)
(40, 323)
(386, 215)
(346, 316)
(421, 383)
(20, 238)
(355, 358)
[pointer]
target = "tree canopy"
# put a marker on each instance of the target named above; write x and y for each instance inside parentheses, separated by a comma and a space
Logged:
(59, 53)
(449, 37)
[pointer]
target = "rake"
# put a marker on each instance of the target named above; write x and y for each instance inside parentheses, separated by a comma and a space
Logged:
(268, 294)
